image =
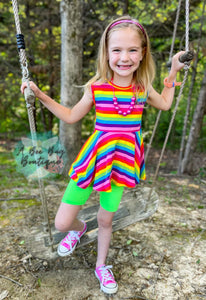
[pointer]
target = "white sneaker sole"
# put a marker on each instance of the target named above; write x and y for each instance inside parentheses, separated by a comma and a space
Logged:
(105, 289)
(66, 253)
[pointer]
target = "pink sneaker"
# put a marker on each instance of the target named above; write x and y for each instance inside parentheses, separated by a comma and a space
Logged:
(68, 244)
(106, 278)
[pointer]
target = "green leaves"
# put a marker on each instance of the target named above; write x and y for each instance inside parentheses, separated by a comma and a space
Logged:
(43, 42)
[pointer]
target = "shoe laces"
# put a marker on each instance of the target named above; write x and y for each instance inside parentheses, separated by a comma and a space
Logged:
(106, 274)
(71, 237)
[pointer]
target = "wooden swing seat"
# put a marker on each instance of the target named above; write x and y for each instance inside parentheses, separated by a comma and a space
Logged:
(134, 207)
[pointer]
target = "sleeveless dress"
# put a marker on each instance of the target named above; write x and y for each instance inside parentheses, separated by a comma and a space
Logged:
(114, 153)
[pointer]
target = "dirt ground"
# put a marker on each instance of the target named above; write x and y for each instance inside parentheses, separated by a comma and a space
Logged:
(162, 257)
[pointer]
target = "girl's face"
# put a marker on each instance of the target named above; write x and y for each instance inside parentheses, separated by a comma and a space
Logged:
(124, 54)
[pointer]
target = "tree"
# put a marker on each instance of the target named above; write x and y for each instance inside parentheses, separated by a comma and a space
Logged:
(42, 37)
(71, 71)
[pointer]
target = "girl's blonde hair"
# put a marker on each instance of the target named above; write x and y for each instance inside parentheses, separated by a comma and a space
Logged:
(145, 73)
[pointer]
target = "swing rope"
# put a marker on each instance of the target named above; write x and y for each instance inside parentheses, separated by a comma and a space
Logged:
(186, 68)
(30, 100)
(181, 160)
(170, 57)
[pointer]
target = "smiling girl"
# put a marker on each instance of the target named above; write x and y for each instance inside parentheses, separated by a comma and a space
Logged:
(113, 156)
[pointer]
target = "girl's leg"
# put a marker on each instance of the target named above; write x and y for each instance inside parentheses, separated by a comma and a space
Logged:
(104, 219)
(72, 201)
(109, 204)
(66, 218)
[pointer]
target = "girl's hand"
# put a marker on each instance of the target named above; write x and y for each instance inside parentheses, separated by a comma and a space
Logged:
(176, 64)
(33, 87)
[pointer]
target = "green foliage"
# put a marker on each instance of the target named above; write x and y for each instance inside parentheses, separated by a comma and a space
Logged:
(40, 24)
(8, 171)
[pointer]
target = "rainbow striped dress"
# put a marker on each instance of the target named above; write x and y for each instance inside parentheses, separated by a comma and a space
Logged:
(114, 153)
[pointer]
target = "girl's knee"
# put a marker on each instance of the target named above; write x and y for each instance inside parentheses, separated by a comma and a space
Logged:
(61, 225)
(104, 220)
(65, 216)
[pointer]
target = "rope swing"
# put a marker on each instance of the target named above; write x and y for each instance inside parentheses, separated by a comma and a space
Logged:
(134, 207)
(185, 58)
(30, 100)
(170, 57)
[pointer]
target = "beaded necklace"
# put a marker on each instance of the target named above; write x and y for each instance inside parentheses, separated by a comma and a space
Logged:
(129, 109)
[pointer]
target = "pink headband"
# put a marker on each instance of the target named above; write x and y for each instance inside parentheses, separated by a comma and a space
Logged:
(131, 22)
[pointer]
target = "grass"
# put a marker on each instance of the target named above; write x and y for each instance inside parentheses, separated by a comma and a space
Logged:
(11, 179)
(13, 185)
(9, 176)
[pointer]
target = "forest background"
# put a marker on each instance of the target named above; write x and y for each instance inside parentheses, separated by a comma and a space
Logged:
(160, 257)
(41, 26)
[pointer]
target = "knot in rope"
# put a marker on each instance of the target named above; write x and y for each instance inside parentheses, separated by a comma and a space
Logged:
(29, 105)
(187, 65)
(25, 71)
(29, 95)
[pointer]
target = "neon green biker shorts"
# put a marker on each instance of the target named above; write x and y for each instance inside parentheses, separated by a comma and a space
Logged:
(77, 196)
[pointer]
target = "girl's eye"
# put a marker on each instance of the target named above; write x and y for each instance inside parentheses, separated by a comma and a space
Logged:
(133, 50)
(116, 50)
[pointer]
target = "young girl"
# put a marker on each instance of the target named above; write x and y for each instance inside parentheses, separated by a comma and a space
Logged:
(113, 156)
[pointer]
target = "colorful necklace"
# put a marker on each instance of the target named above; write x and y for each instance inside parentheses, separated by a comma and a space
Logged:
(129, 109)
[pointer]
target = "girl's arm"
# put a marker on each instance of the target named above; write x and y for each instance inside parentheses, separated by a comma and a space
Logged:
(64, 113)
(164, 100)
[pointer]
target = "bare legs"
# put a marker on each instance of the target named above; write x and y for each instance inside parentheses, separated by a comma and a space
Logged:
(66, 220)
(104, 219)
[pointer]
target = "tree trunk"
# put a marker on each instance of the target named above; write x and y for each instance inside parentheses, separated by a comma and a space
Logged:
(71, 72)
(189, 165)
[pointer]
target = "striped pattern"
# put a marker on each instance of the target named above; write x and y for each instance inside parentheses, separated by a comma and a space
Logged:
(107, 118)
(115, 151)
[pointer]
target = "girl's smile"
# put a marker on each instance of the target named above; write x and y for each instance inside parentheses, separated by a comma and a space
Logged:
(124, 67)
(124, 54)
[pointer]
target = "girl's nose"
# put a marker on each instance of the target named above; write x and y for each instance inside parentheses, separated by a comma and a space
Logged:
(124, 56)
